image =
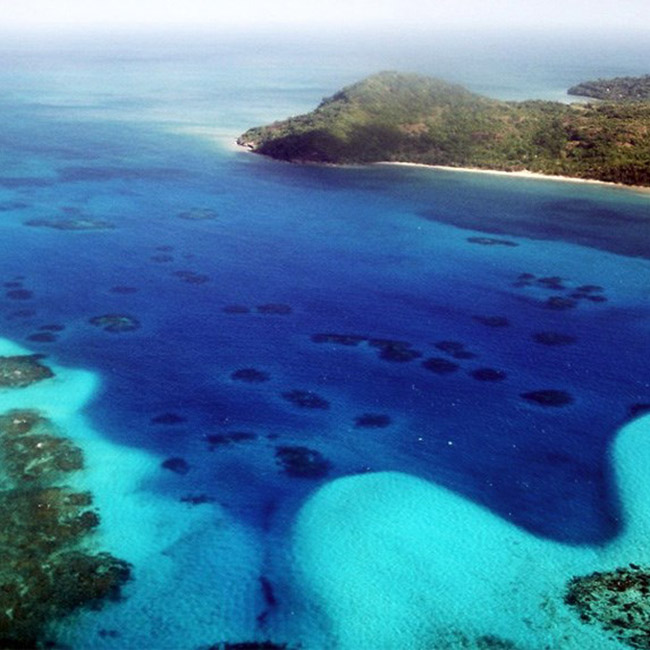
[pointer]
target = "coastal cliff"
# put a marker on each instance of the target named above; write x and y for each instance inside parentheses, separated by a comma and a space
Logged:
(396, 117)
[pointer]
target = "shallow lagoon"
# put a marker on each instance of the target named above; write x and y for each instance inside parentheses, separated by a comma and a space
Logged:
(206, 482)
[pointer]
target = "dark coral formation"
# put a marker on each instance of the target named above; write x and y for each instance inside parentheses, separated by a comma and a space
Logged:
(455, 349)
(249, 645)
(302, 462)
(439, 365)
(639, 408)
(168, 419)
(396, 351)
(250, 375)
(42, 337)
(491, 241)
(492, 321)
(162, 258)
(617, 600)
(560, 303)
(590, 292)
(372, 421)
(306, 399)
(71, 224)
(554, 338)
(176, 464)
(198, 214)
(20, 294)
(488, 374)
(197, 499)
(548, 397)
(115, 323)
(192, 277)
(22, 371)
(45, 574)
(218, 439)
(275, 308)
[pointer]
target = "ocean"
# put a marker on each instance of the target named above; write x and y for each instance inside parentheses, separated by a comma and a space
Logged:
(362, 408)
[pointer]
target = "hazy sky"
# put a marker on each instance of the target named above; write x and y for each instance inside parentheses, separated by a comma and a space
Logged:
(353, 13)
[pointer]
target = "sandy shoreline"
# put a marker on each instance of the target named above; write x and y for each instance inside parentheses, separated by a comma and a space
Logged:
(524, 174)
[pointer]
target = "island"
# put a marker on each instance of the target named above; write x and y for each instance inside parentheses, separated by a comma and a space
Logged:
(617, 89)
(396, 117)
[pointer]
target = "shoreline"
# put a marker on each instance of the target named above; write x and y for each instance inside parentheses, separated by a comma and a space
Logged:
(641, 189)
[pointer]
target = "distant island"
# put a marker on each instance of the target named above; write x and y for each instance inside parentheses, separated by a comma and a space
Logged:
(394, 117)
(617, 89)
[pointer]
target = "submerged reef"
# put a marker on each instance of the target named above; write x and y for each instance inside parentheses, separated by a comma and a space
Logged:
(250, 375)
(553, 338)
(306, 399)
(548, 397)
(236, 309)
(21, 371)
(618, 600)
(396, 351)
(192, 277)
(46, 574)
(372, 421)
(115, 323)
(491, 241)
(439, 365)
(71, 224)
(177, 465)
(302, 462)
(249, 645)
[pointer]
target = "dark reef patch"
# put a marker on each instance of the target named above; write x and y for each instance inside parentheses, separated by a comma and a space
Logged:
(616, 600)
(396, 351)
(44, 574)
(22, 371)
(249, 645)
(302, 462)
(250, 375)
(440, 366)
(71, 224)
(640, 408)
(275, 308)
(372, 421)
(162, 258)
(197, 499)
(115, 323)
(176, 464)
(8, 206)
(42, 337)
(306, 399)
(560, 303)
(491, 241)
(553, 338)
(488, 374)
(548, 397)
(20, 294)
(168, 419)
(455, 349)
(192, 277)
(232, 437)
(12, 284)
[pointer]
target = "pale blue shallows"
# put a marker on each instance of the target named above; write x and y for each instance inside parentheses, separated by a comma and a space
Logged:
(228, 545)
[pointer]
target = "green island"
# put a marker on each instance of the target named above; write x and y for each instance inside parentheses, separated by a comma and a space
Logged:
(394, 117)
(618, 89)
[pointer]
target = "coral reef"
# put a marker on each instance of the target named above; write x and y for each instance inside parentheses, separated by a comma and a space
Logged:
(302, 462)
(306, 399)
(372, 421)
(44, 574)
(236, 309)
(548, 397)
(115, 323)
(553, 338)
(491, 241)
(338, 339)
(249, 645)
(455, 349)
(177, 465)
(396, 351)
(618, 600)
(168, 419)
(439, 365)
(22, 371)
(192, 277)
(71, 224)
(42, 337)
(488, 374)
(20, 294)
(217, 439)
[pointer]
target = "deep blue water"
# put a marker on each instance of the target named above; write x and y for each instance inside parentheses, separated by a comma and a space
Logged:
(136, 133)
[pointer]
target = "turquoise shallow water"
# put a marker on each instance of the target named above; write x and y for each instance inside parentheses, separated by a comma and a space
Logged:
(247, 515)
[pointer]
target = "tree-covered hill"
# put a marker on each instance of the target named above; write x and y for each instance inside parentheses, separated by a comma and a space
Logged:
(617, 89)
(411, 118)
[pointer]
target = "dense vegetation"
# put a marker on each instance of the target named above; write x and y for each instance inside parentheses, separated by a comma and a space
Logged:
(411, 118)
(617, 89)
